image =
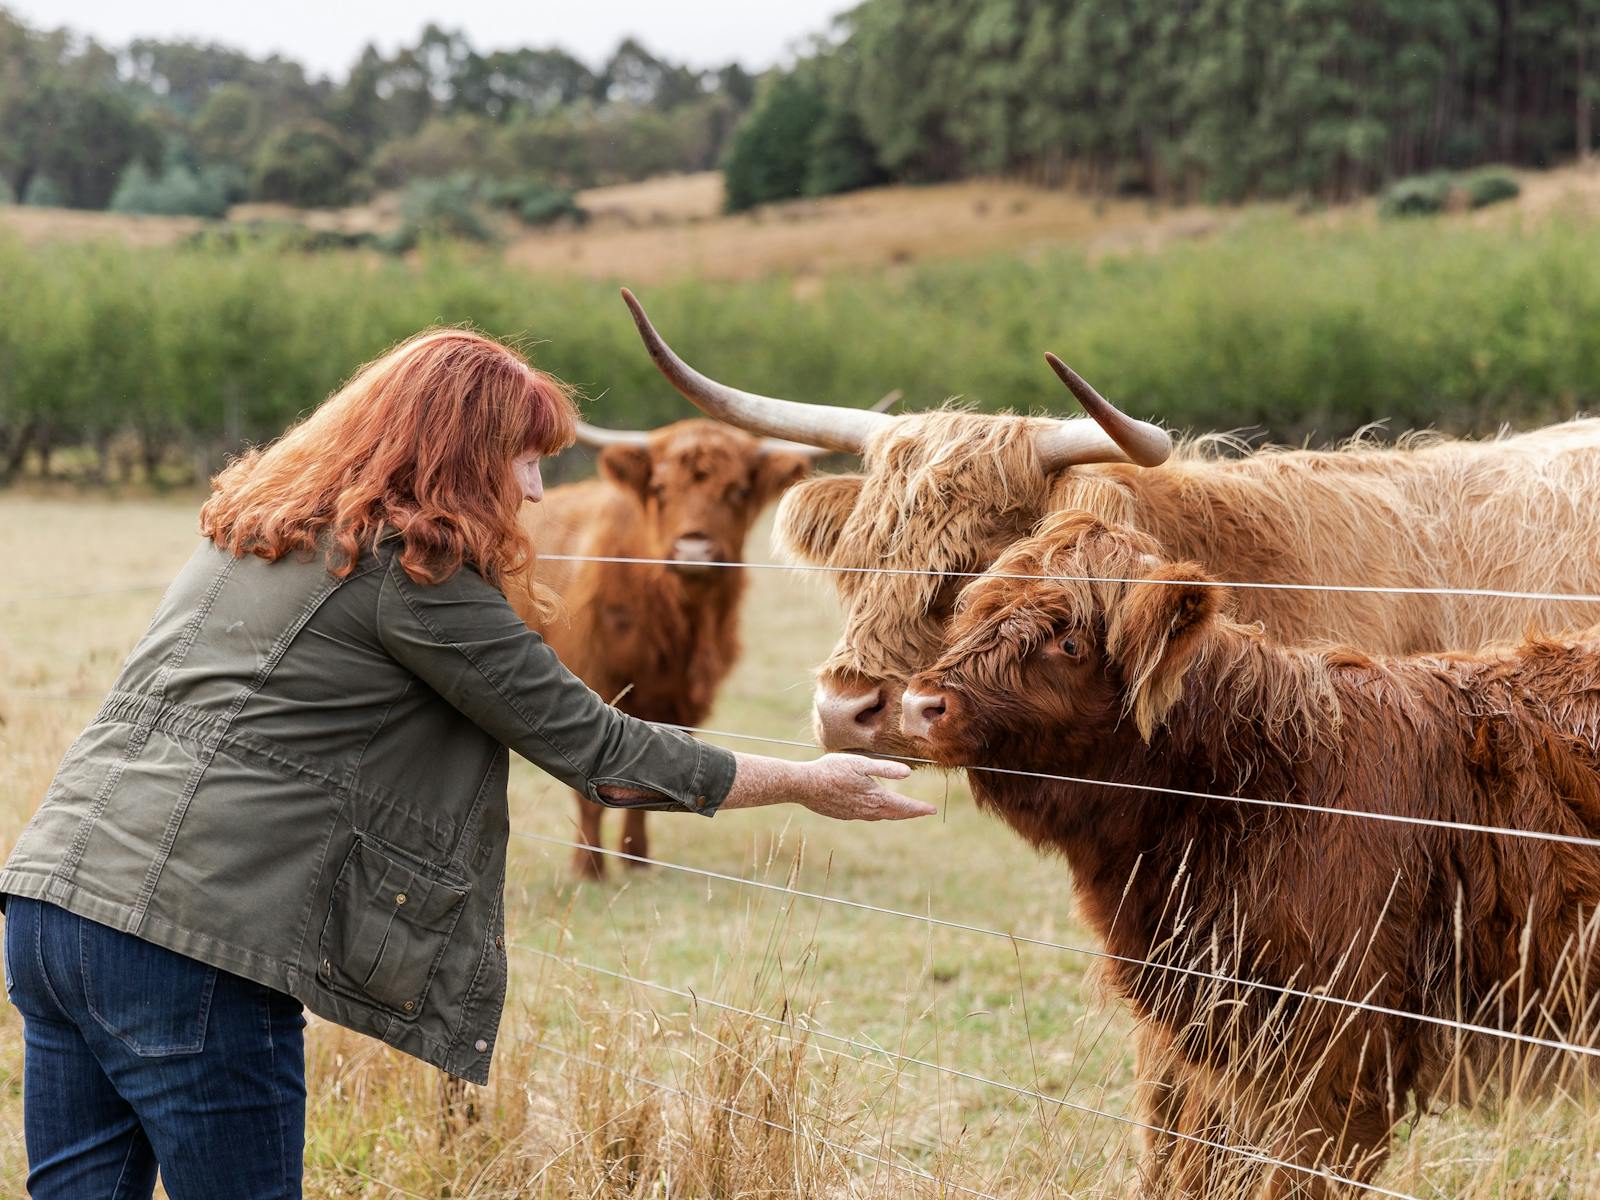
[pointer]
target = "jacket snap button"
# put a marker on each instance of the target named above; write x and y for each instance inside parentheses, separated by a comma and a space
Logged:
(327, 967)
(499, 943)
(700, 801)
(480, 1045)
(399, 897)
(409, 1005)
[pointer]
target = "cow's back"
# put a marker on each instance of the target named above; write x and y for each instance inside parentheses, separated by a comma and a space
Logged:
(1507, 514)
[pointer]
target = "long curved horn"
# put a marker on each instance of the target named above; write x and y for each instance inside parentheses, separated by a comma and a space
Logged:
(1114, 436)
(770, 445)
(817, 425)
(593, 435)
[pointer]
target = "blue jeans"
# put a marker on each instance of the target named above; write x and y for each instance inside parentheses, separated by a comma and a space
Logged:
(135, 1056)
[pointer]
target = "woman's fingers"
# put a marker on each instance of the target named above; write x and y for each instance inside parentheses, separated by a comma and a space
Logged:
(901, 808)
(884, 768)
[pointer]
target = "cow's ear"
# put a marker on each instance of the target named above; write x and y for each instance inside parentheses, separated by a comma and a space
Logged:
(1159, 628)
(777, 471)
(627, 466)
(812, 515)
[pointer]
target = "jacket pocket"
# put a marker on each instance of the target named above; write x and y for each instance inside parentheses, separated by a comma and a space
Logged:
(389, 921)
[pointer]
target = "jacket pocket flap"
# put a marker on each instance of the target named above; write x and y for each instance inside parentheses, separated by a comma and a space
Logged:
(389, 921)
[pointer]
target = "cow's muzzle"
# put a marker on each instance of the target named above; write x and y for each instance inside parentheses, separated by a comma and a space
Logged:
(693, 554)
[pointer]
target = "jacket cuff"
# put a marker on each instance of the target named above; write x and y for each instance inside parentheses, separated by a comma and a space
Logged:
(708, 786)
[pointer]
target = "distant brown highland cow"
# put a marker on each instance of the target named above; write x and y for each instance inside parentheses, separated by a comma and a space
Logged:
(1129, 669)
(658, 638)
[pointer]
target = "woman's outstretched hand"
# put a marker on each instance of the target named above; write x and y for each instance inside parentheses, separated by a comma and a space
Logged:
(845, 787)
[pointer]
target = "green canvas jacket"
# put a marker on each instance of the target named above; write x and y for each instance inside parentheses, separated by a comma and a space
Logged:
(302, 780)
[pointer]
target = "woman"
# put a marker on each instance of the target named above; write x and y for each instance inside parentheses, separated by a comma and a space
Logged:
(295, 793)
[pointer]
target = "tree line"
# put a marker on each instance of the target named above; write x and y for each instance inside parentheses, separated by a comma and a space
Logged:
(1177, 99)
(179, 126)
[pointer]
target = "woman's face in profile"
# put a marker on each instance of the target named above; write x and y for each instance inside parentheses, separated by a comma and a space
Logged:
(526, 467)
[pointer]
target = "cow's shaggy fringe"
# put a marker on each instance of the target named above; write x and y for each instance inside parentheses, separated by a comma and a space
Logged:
(1150, 682)
(947, 491)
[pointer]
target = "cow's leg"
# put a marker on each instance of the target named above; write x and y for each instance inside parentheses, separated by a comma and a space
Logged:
(587, 863)
(1186, 1123)
(1355, 1151)
(634, 840)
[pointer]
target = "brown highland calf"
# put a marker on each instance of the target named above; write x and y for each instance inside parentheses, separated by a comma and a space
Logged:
(655, 639)
(1133, 670)
(945, 492)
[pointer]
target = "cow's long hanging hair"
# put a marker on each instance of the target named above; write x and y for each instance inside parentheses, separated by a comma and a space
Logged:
(419, 442)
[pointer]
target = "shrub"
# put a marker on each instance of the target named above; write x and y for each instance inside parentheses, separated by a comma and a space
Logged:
(1423, 195)
(44, 192)
(307, 164)
(771, 150)
(442, 208)
(1491, 185)
(1417, 196)
(841, 158)
(7, 196)
(177, 191)
(534, 201)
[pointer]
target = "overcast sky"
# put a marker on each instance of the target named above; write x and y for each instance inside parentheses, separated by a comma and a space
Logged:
(327, 36)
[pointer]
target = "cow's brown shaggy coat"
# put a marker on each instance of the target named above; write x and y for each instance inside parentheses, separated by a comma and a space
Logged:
(1153, 682)
(657, 640)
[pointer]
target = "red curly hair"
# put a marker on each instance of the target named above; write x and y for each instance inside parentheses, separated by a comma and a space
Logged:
(419, 441)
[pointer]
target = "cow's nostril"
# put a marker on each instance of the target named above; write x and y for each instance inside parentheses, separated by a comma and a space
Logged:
(920, 711)
(872, 713)
(849, 720)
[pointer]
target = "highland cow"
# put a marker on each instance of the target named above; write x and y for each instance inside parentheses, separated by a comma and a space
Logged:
(656, 638)
(943, 493)
(1083, 655)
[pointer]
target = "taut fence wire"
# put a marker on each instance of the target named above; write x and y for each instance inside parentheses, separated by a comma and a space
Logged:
(1246, 1152)
(864, 1047)
(1365, 588)
(1023, 939)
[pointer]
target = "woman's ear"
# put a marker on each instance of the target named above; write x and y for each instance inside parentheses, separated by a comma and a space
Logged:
(627, 466)
(812, 515)
(1155, 635)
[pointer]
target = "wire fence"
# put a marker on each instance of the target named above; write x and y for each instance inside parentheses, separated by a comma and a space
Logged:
(1248, 1153)
(1251, 1154)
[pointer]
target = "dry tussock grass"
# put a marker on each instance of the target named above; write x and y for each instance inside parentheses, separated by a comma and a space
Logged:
(606, 1090)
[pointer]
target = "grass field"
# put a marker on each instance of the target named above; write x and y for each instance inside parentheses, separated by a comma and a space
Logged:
(673, 227)
(567, 1112)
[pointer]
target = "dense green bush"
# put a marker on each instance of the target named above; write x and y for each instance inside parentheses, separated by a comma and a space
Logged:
(770, 155)
(1491, 185)
(534, 201)
(1424, 195)
(1294, 331)
(176, 191)
(442, 208)
(1418, 196)
(44, 192)
(309, 164)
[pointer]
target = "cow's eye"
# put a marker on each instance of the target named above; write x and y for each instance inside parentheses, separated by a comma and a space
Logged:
(738, 493)
(1069, 646)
